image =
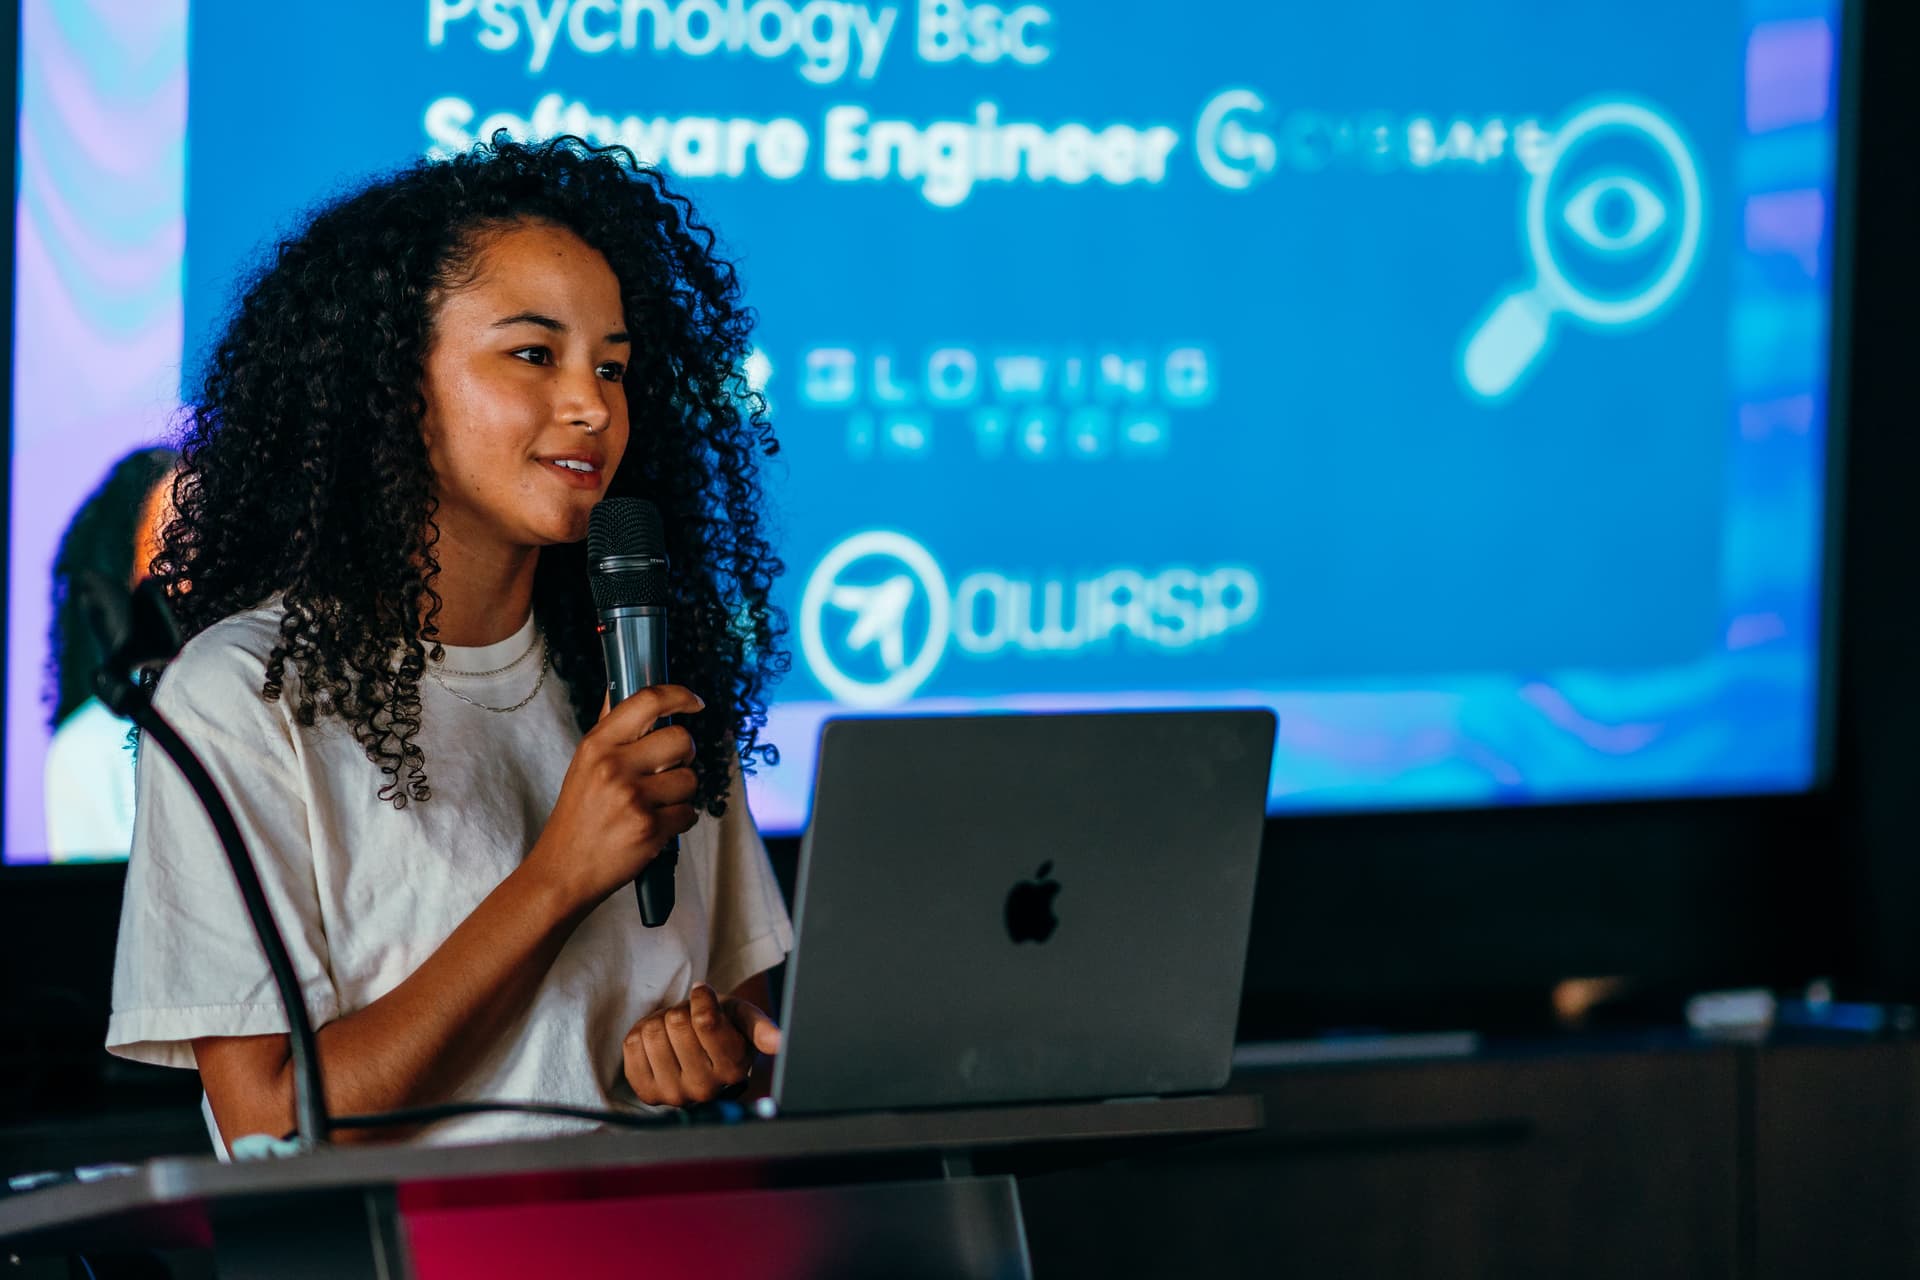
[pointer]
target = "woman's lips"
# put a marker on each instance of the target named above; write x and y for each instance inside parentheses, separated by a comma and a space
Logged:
(578, 479)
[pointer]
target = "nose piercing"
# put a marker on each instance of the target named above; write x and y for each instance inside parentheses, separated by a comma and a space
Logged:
(592, 430)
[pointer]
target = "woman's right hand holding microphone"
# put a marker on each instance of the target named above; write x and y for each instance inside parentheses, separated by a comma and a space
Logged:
(629, 789)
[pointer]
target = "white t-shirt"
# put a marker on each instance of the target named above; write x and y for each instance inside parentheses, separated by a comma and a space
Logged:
(364, 893)
(89, 786)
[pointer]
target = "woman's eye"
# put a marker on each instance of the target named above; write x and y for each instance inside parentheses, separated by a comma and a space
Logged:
(613, 371)
(534, 355)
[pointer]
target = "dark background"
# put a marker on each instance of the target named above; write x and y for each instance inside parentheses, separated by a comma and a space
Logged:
(1438, 919)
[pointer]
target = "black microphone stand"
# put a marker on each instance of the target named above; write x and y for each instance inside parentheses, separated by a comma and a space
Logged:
(142, 636)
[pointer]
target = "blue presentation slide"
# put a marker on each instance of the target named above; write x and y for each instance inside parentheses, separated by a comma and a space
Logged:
(1450, 378)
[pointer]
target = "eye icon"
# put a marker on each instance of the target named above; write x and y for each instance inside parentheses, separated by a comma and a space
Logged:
(1615, 213)
(1607, 219)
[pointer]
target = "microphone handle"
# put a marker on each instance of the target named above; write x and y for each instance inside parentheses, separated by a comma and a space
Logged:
(655, 885)
(634, 641)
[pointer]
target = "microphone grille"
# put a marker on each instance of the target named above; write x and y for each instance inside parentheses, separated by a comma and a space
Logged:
(620, 528)
(625, 527)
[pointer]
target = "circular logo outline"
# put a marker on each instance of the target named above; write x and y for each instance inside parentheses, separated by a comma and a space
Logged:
(918, 561)
(1628, 116)
(1221, 110)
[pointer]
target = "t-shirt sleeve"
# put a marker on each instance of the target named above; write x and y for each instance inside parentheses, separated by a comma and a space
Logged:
(749, 926)
(188, 963)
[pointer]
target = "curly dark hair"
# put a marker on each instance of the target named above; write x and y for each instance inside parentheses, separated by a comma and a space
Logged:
(100, 539)
(305, 471)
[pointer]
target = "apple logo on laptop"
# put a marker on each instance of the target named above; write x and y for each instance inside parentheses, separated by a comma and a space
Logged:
(1030, 915)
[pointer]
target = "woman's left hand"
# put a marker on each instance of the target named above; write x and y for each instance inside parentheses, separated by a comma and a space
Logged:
(697, 1050)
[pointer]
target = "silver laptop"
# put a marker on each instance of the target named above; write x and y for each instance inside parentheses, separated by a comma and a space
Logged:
(1022, 908)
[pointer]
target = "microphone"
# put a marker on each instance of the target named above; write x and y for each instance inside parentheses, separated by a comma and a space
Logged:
(627, 571)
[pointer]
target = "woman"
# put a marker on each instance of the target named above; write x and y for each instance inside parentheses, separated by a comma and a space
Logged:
(88, 781)
(393, 675)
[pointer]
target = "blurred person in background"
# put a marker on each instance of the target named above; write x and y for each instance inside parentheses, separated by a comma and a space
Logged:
(89, 768)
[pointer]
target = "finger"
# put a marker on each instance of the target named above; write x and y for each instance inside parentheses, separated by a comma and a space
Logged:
(606, 705)
(664, 1063)
(761, 1031)
(673, 820)
(728, 1050)
(696, 1069)
(639, 1071)
(674, 787)
(670, 747)
(635, 717)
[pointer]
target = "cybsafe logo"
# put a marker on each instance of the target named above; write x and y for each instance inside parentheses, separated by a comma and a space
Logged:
(877, 616)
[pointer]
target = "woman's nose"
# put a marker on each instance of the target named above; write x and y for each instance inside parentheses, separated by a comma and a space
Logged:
(584, 403)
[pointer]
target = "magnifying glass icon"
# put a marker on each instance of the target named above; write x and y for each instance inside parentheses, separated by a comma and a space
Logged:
(1515, 332)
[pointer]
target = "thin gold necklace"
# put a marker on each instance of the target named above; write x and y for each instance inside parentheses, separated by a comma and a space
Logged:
(545, 662)
(532, 644)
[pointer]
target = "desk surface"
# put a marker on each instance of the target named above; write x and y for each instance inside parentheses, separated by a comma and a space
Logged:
(167, 1192)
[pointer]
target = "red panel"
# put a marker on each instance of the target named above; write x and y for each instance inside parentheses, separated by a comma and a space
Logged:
(717, 1236)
